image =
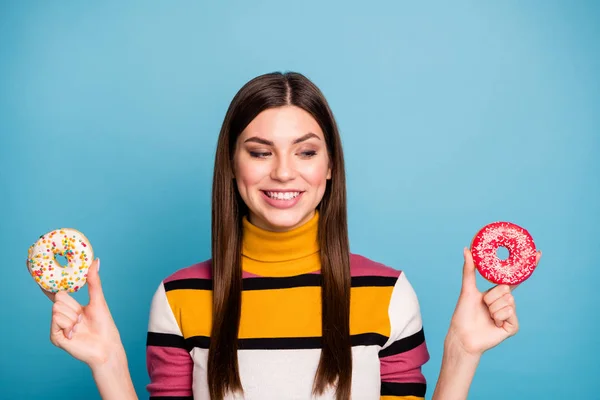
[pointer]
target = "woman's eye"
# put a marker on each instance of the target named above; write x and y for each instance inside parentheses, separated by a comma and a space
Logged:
(259, 154)
(309, 153)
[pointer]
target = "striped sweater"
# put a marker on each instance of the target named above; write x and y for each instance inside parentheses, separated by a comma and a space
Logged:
(280, 327)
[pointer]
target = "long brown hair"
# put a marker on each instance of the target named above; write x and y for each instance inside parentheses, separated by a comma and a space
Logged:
(335, 366)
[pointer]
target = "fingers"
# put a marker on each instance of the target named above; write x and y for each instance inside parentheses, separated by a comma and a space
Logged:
(94, 284)
(507, 300)
(502, 308)
(61, 325)
(469, 281)
(495, 293)
(506, 318)
(65, 298)
(66, 314)
(538, 256)
(62, 308)
(500, 303)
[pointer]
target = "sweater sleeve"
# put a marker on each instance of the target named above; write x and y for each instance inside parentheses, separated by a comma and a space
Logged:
(405, 352)
(169, 364)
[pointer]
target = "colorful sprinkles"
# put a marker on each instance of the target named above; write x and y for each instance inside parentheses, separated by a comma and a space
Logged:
(48, 272)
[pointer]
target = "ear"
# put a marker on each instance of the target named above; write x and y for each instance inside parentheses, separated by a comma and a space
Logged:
(329, 172)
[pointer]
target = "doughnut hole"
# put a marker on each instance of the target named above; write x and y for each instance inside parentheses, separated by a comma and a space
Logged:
(502, 253)
(61, 260)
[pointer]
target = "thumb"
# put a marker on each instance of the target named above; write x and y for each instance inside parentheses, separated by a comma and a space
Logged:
(469, 282)
(94, 284)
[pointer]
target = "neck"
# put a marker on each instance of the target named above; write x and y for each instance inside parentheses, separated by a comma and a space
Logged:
(293, 252)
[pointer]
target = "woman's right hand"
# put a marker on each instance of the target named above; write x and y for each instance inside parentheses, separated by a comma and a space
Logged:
(88, 333)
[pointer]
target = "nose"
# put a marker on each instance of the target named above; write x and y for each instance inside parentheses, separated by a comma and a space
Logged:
(283, 169)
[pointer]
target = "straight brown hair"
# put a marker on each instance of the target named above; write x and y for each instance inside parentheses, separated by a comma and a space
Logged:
(335, 366)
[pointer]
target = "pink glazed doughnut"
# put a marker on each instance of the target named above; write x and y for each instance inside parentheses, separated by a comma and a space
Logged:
(48, 272)
(520, 263)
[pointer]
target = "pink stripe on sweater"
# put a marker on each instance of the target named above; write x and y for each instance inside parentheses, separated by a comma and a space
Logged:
(170, 371)
(362, 266)
(405, 367)
(200, 270)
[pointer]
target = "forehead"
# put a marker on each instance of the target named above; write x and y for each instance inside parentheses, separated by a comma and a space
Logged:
(282, 123)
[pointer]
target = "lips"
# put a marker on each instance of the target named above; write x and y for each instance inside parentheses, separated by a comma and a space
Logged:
(282, 199)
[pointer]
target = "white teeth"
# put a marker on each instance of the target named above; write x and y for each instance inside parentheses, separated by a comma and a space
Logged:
(283, 196)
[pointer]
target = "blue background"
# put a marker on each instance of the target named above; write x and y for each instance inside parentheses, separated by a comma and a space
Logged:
(453, 115)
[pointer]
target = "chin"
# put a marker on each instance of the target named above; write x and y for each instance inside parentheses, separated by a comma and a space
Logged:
(282, 220)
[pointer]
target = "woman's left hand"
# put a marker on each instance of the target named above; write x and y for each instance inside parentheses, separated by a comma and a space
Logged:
(481, 321)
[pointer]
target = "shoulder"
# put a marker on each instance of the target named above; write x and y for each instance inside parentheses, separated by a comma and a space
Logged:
(392, 290)
(171, 296)
(198, 275)
(200, 270)
(378, 274)
(403, 309)
(363, 266)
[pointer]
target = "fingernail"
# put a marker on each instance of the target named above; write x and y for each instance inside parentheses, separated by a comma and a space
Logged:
(74, 328)
(79, 318)
(98, 265)
(70, 335)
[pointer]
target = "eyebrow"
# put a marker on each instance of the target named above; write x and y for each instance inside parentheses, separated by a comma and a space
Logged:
(266, 142)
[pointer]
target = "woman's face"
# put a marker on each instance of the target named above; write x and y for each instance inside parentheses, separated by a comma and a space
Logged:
(281, 167)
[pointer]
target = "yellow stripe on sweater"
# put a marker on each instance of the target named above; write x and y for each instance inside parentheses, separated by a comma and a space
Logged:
(276, 313)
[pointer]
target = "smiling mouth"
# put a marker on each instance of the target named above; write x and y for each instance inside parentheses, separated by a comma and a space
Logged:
(282, 195)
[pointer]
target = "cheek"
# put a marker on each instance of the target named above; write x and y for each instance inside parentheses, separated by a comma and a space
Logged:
(316, 175)
(248, 176)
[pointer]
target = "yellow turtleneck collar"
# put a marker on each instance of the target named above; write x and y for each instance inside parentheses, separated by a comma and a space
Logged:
(277, 254)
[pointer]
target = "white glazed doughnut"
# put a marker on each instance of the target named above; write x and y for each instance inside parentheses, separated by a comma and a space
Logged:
(48, 272)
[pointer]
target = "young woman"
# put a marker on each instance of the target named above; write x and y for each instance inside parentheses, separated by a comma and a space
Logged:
(283, 309)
